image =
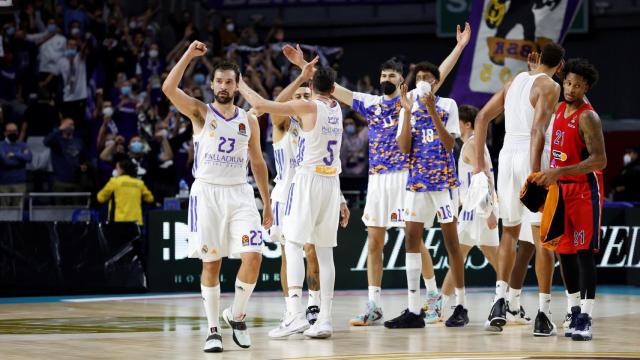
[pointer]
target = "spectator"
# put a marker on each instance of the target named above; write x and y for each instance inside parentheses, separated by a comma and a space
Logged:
(40, 117)
(14, 156)
(73, 69)
(125, 194)
(626, 186)
(51, 45)
(67, 157)
(353, 154)
(8, 75)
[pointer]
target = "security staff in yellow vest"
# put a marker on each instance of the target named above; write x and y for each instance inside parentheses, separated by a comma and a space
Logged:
(125, 194)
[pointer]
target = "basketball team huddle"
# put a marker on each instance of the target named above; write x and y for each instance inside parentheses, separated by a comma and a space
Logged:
(414, 179)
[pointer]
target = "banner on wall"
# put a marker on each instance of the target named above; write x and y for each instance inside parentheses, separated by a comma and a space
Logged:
(505, 32)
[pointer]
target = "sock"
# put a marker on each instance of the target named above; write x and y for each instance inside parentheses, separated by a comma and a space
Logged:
(243, 292)
(544, 303)
(374, 294)
(460, 297)
(327, 281)
(445, 300)
(294, 301)
(514, 299)
(501, 289)
(587, 306)
(431, 285)
(314, 298)
(295, 276)
(573, 300)
(211, 300)
(414, 268)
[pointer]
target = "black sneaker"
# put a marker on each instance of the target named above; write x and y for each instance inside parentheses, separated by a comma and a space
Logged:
(406, 320)
(497, 316)
(459, 318)
(312, 314)
(213, 344)
(575, 311)
(583, 328)
(543, 325)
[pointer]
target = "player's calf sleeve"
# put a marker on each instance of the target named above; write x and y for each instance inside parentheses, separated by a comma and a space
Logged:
(327, 280)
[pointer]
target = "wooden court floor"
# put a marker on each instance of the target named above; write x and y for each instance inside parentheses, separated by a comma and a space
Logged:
(174, 327)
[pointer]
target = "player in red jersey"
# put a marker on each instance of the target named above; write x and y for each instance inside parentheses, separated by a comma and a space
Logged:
(577, 158)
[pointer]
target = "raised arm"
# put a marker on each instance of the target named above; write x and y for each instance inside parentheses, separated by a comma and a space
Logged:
(404, 134)
(259, 170)
(193, 108)
(261, 105)
(287, 93)
(489, 111)
(450, 61)
(547, 99)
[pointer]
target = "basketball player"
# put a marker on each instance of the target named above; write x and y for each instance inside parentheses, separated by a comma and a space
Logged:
(286, 131)
(577, 158)
(487, 238)
(528, 101)
(223, 217)
(313, 204)
(388, 172)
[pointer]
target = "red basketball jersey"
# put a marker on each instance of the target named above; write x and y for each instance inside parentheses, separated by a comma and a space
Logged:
(567, 147)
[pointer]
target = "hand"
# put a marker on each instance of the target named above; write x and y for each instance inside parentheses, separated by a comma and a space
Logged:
(344, 215)
(429, 101)
(10, 155)
(464, 36)
(492, 221)
(295, 56)
(309, 69)
(560, 72)
(547, 177)
(405, 101)
(119, 139)
(533, 61)
(267, 217)
(196, 49)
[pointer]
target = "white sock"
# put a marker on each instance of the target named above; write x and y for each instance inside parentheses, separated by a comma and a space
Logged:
(327, 281)
(501, 289)
(314, 298)
(294, 301)
(445, 300)
(295, 276)
(243, 292)
(460, 297)
(514, 299)
(414, 268)
(431, 285)
(374, 294)
(587, 306)
(544, 303)
(211, 300)
(573, 300)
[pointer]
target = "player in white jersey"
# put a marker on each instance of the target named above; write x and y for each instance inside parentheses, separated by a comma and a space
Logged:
(223, 217)
(286, 133)
(528, 101)
(313, 203)
(388, 170)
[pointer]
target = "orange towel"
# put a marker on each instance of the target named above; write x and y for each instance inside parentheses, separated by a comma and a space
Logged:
(550, 202)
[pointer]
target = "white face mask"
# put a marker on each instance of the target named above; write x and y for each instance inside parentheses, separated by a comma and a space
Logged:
(423, 88)
(108, 111)
(230, 27)
(75, 31)
(626, 159)
(115, 173)
(153, 53)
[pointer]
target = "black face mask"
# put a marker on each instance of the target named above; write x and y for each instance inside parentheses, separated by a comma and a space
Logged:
(13, 137)
(387, 87)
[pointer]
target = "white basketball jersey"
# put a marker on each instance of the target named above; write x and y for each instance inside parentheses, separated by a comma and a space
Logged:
(284, 153)
(221, 149)
(319, 148)
(518, 112)
(465, 170)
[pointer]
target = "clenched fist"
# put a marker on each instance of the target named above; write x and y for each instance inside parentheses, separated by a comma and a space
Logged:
(196, 49)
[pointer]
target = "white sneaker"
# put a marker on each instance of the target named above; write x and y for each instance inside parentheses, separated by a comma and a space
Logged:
(291, 324)
(213, 342)
(240, 333)
(517, 316)
(320, 330)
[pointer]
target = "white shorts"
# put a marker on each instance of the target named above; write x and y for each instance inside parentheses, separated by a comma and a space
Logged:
(486, 236)
(455, 198)
(223, 221)
(424, 206)
(276, 230)
(312, 211)
(513, 170)
(385, 199)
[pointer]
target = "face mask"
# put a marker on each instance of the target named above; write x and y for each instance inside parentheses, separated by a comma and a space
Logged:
(52, 28)
(153, 53)
(115, 173)
(626, 159)
(387, 87)
(125, 90)
(230, 27)
(108, 111)
(136, 147)
(75, 31)
(423, 88)
(13, 137)
(133, 24)
(70, 52)
(199, 79)
(350, 129)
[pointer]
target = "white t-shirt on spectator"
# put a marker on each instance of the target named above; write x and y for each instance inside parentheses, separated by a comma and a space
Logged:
(74, 78)
(50, 51)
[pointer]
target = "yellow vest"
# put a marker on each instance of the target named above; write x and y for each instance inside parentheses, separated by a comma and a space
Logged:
(126, 194)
